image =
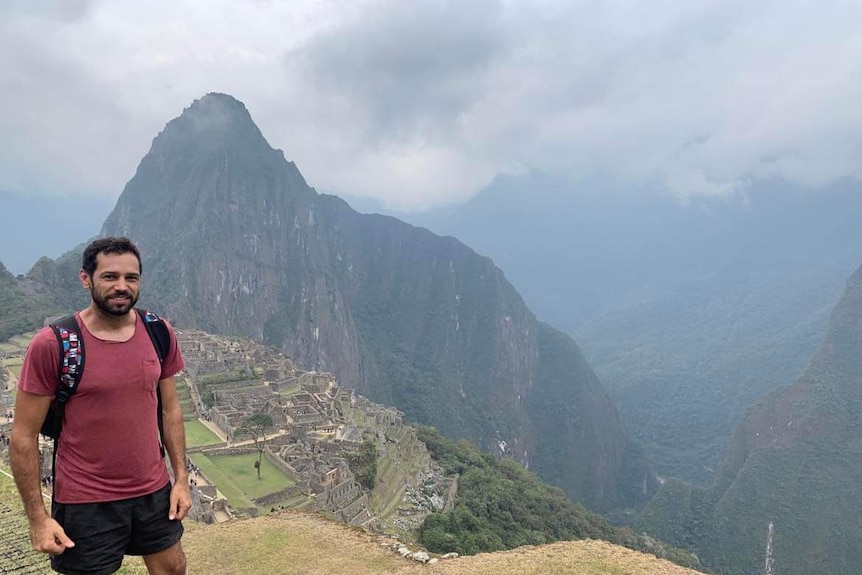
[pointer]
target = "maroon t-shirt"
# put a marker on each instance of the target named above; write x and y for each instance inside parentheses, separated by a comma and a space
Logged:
(109, 447)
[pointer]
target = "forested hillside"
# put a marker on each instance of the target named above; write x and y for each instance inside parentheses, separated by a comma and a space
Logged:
(500, 505)
(795, 463)
(23, 307)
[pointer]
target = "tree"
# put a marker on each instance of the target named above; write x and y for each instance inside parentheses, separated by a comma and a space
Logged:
(256, 427)
(364, 464)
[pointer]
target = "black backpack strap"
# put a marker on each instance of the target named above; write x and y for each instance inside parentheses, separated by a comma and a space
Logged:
(69, 372)
(158, 332)
(70, 369)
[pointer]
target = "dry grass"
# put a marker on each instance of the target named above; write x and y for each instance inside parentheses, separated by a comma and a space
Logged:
(298, 543)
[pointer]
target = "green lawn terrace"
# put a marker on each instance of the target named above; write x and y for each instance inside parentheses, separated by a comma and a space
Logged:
(7, 391)
(187, 402)
(16, 345)
(198, 435)
(234, 475)
(11, 358)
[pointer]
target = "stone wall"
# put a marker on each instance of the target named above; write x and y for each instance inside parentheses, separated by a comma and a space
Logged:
(272, 498)
(281, 464)
(246, 511)
(209, 491)
(357, 512)
(280, 440)
(229, 451)
(450, 496)
(210, 447)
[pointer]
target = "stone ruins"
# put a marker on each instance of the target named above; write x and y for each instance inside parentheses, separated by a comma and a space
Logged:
(316, 425)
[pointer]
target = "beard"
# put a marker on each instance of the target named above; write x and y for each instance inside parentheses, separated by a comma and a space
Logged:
(103, 302)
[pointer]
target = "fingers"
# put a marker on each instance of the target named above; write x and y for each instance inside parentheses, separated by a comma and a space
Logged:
(62, 541)
(49, 537)
(181, 502)
(174, 508)
(179, 511)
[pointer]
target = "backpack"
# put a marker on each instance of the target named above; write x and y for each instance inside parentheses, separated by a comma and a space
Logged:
(71, 368)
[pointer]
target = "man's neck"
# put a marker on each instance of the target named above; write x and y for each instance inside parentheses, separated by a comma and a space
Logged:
(97, 320)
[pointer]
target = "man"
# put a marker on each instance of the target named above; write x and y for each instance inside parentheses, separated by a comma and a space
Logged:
(112, 492)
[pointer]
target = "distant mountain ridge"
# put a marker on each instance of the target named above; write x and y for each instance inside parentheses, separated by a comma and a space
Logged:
(23, 305)
(236, 242)
(687, 313)
(795, 462)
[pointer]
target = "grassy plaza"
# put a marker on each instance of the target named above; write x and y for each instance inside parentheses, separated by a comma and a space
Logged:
(236, 476)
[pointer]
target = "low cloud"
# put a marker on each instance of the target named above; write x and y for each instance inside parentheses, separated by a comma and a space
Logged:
(423, 103)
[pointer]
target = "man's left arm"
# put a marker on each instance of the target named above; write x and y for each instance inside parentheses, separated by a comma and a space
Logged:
(175, 444)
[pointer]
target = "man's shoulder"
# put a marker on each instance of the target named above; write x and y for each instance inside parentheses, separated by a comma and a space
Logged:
(44, 336)
(72, 319)
(39, 370)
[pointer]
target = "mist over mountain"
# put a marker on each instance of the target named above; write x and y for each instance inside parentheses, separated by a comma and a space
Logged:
(236, 242)
(688, 314)
(795, 462)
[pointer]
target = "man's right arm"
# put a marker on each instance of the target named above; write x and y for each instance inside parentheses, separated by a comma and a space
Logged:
(38, 374)
(24, 451)
(46, 534)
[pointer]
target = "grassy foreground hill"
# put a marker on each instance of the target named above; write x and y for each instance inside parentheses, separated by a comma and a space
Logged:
(306, 543)
(298, 542)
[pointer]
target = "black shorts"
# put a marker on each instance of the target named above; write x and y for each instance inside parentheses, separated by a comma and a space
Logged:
(104, 532)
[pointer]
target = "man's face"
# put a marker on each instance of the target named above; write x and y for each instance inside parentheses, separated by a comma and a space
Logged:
(115, 283)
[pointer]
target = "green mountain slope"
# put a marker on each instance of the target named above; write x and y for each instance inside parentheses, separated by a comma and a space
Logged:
(795, 462)
(23, 304)
(500, 505)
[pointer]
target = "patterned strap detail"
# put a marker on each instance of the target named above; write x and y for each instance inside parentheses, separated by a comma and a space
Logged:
(72, 358)
(149, 316)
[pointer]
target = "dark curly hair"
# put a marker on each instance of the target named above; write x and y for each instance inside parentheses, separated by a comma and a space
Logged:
(108, 246)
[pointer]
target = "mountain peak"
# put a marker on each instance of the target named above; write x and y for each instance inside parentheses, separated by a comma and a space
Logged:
(212, 154)
(215, 107)
(213, 120)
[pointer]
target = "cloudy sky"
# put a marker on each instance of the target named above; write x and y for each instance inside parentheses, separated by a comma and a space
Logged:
(422, 103)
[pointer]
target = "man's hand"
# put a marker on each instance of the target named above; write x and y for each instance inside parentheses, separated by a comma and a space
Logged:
(181, 501)
(47, 536)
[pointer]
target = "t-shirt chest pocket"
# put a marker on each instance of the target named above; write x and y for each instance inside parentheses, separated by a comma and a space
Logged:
(150, 373)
